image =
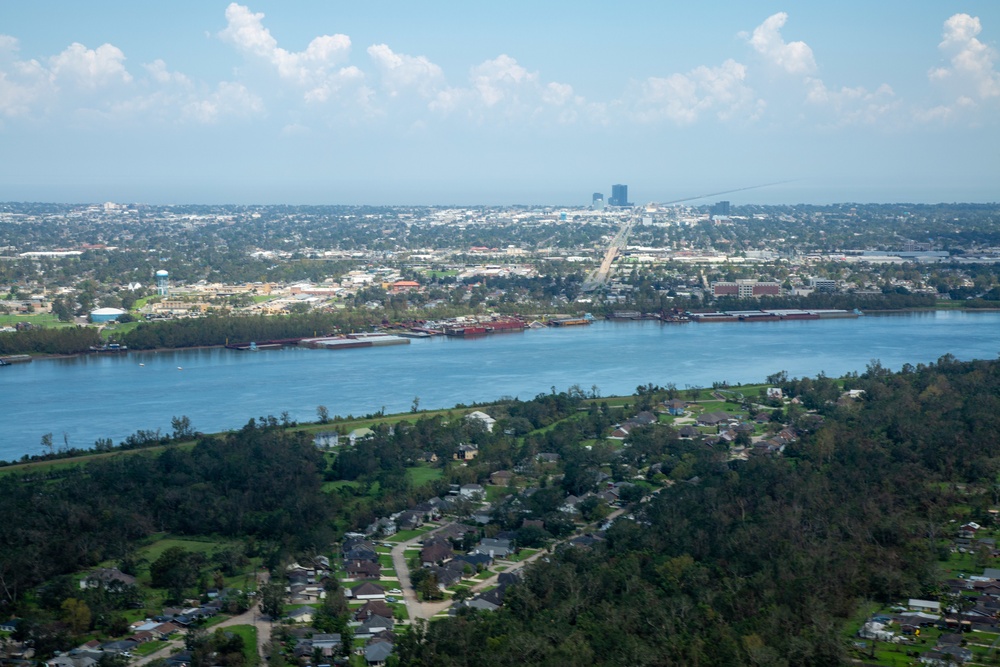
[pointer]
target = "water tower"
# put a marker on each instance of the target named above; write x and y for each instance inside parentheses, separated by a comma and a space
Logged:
(162, 283)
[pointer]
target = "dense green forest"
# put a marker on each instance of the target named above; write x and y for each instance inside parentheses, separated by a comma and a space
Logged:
(761, 562)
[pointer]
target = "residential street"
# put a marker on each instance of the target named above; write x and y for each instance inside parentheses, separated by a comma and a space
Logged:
(427, 610)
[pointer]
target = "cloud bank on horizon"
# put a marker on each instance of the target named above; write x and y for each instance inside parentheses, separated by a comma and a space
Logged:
(773, 81)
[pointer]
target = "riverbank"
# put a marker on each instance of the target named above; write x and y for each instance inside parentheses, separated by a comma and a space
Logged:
(161, 350)
(113, 396)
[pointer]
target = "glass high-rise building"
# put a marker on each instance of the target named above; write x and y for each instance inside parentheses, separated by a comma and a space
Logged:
(619, 195)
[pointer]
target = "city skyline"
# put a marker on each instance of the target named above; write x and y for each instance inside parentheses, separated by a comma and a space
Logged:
(260, 102)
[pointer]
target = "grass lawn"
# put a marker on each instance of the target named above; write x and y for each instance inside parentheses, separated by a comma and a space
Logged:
(38, 319)
(960, 563)
(495, 493)
(399, 612)
(525, 553)
(404, 535)
(249, 635)
(118, 330)
(156, 549)
(423, 474)
(149, 647)
(385, 560)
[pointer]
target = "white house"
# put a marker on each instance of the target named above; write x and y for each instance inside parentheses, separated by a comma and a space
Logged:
(482, 417)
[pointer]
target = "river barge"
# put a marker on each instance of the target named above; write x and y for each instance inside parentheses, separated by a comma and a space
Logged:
(15, 359)
(253, 346)
(474, 330)
(772, 315)
(351, 341)
(109, 348)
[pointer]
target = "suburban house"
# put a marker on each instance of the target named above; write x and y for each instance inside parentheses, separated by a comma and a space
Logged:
(364, 569)
(715, 418)
(373, 625)
(483, 418)
(409, 520)
(675, 407)
(494, 548)
(436, 550)
(501, 478)
(105, 576)
(302, 614)
(372, 608)
(466, 452)
(366, 591)
(472, 491)
(377, 653)
(688, 431)
(326, 644)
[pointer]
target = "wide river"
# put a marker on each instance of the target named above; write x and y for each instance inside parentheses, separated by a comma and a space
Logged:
(82, 399)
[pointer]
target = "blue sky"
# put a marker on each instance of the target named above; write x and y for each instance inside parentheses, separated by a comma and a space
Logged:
(518, 102)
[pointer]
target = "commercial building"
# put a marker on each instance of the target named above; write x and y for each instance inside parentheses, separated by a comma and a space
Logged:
(745, 289)
(826, 285)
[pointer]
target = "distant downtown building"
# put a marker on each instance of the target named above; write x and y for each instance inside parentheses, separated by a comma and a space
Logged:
(619, 195)
(720, 209)
(598, 197)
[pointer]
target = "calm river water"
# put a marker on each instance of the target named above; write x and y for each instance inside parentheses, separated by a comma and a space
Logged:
(81, 399)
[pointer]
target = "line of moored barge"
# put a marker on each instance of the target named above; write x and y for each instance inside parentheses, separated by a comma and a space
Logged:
(401, 334)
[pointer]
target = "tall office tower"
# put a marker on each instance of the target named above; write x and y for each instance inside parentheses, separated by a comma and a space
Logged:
(619, 195)
(598, 196)
(721, 209)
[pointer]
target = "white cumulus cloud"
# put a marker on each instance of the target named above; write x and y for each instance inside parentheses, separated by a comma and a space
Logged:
(228, 99)
(315, 69)
(684, 98)
(502, 86)
(793, 57)
(90, 69)
(159, 73)
(401, 72)
(852, 105)
(972, 63)
(23, 83)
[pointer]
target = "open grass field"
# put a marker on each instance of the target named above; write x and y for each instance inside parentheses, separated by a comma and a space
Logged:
(423, 474)
(38, 319)
(162, 543)
(118, 330)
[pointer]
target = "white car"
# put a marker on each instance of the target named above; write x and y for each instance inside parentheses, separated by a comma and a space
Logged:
(395, 591)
